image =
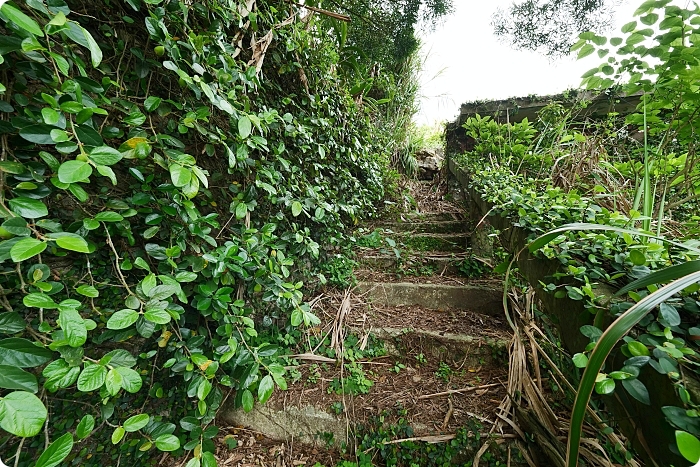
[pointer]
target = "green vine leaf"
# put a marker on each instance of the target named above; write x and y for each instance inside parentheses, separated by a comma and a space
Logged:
(74, 171)
(26, 248)
(21, 20)
(56, 452)
(22, 414)
(27, 207)
(12, 377)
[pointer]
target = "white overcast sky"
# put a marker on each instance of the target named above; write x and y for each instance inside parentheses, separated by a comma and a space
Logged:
(465, 62)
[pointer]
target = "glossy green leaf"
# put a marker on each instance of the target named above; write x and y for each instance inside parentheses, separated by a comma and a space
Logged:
(11, 322)
(152, 103)
(157, 316)
(20, 19)
(39, 300)
(636, 389)
(38, 134)
(26, 248)
(56, 452)
(113, 384)
(208, 459)
(669, 314)
(92, 377)
(73, 242)
(88, 291)
(265, 389)
(27, 207)
(85, 427)
(12, 377)
(136, 422)
(131, 380)
(107, 172)
(118, 434)
(245, 126)
(167, 443)
(296, 208)
(105, 155)
(241, 210)
(23, 353)
(580, 360)
(247, 401)
(22, 414)
(95, 51)
(122, 319)
(688, 445)
(180, 175)
(73, 327)
(50, 116)
(74, 171)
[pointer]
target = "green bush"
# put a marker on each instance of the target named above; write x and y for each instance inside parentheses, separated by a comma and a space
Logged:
(168, 173)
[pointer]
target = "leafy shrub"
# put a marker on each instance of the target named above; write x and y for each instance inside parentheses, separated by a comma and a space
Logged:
(163, 190)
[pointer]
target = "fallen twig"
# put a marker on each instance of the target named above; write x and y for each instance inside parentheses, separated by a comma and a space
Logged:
(458, 391)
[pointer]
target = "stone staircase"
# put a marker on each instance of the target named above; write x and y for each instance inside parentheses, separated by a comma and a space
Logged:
(414, 335)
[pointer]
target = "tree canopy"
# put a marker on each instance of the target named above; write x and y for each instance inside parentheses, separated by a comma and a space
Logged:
(551, 26)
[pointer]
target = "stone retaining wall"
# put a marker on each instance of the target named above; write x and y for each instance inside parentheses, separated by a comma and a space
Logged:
(645, 426)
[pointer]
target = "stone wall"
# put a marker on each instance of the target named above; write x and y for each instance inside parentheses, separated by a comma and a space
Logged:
(645, 426)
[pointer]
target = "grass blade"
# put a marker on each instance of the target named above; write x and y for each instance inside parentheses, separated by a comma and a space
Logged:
(617, 330)
(660, 277)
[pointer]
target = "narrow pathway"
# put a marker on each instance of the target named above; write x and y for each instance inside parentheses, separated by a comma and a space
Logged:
(417, 350)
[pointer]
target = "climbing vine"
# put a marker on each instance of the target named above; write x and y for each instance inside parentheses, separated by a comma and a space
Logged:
(168, 172)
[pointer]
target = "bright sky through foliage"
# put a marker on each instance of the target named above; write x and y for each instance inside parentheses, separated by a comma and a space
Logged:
(476, 65)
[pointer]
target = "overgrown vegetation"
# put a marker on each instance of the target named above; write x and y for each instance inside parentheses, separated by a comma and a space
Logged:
(170, 172)
(629, 186)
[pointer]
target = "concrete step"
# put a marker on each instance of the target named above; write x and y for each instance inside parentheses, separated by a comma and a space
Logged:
(478, 298)
(429, 263)
(433, 217)
(439, 227)
(434, 242)
(305, 413)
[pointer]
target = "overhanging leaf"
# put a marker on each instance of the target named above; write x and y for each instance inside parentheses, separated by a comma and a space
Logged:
(21, 20)
(26, 248)
(22, 414)
(12, 377)
(56, 452)
(27, 207)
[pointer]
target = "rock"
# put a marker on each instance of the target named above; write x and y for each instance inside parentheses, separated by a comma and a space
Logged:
(429, 163)
(304, 425)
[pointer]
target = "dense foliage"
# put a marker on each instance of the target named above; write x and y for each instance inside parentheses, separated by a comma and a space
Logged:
(169, 171)
(636, 184)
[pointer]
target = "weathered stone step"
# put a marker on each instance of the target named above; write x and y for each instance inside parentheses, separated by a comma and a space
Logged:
(434, 242)
(443, 346)
(439, 264)
(439, 227)
(433, 217)
(478, 298)
(306, 414)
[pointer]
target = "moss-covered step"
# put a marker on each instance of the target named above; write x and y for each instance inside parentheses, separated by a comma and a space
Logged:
(478, 298)
(434, 242)
(439, 227)
(417, 264)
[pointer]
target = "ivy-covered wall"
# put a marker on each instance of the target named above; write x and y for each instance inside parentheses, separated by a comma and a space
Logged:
(169, 173)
